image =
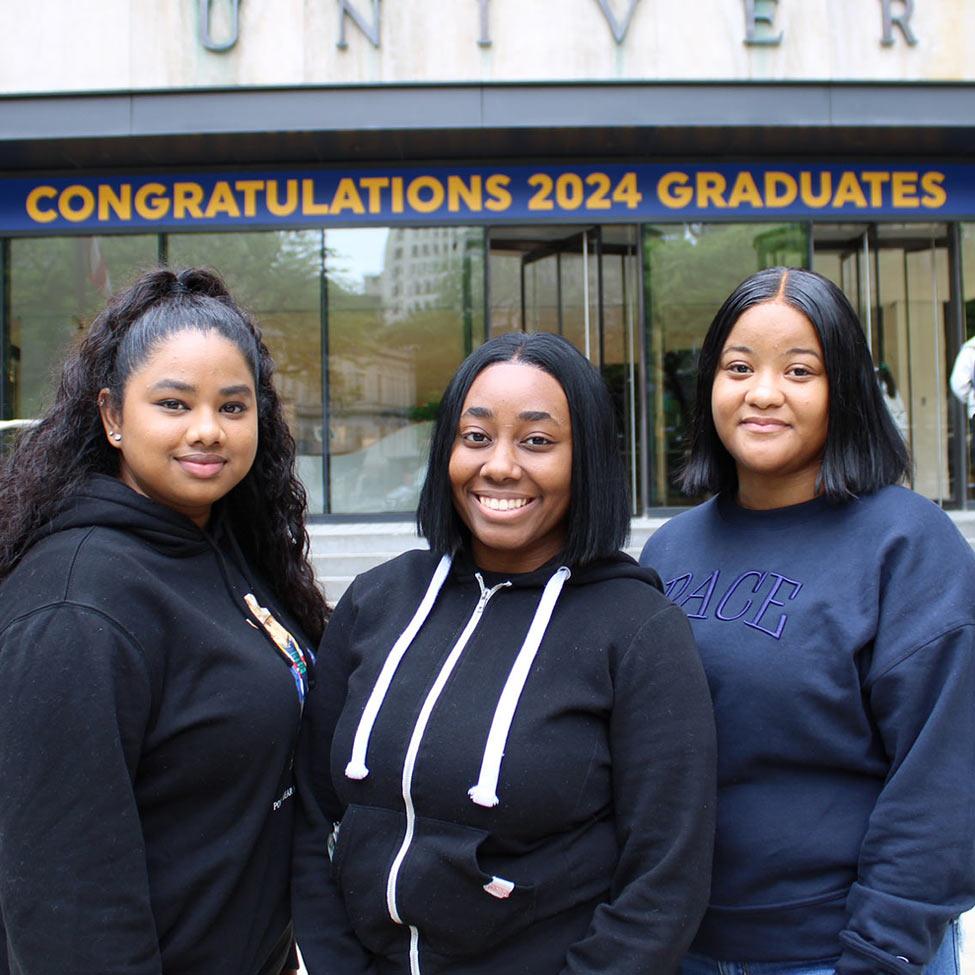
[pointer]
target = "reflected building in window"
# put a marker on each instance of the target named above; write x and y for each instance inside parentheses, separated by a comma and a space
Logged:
(423, 269)
(400, 315)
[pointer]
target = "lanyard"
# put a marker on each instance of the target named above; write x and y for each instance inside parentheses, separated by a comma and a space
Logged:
(286, 644)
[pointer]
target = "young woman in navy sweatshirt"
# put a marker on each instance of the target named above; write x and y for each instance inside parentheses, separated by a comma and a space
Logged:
(154, 606)
(835, 614)
(508, 759)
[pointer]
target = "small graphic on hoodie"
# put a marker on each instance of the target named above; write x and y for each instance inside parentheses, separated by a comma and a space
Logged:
(283, 798)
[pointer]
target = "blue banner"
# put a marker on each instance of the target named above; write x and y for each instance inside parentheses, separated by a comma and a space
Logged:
(615, 193)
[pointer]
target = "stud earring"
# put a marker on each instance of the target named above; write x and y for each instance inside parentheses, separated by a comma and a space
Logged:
(116, 437)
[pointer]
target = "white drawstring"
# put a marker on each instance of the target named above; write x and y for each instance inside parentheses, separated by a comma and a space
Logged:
(356, 769)
(484, 793)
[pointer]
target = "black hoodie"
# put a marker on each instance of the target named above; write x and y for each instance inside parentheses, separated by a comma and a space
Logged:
(523, 767)
(147, 729)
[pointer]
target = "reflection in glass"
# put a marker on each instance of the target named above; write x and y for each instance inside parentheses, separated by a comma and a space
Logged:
(690, 269)
(404, 306)
(580, 282)
(57, 284)
(967, 258)
(276, 277)
(896, 276)
(615, 272)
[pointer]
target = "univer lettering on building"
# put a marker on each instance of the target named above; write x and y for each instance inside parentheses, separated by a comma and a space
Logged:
(205, 19)
(760, 27)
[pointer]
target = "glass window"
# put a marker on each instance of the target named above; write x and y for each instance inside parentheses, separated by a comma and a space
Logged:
(896, 276)
(582, 283)
(57, 284)
(689, 270)
(964, 372)
(619, 285)
(277, 277)
(398, 327)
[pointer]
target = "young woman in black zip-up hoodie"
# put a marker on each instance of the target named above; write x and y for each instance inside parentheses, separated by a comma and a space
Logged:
(154, 604)
(508, 760)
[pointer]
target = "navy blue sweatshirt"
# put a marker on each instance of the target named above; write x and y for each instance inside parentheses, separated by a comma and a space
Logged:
(501, 812)
(839, 643)
(147, 732)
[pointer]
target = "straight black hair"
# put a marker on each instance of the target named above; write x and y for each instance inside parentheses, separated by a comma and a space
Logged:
(864, 450)
(598, 516)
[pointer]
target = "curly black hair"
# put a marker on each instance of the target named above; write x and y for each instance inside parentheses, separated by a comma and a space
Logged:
(51, 460)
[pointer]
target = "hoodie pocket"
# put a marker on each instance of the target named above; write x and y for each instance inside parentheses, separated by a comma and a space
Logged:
(368, 840)
(458, 908)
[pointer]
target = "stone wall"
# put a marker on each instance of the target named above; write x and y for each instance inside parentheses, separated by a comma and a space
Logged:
(87, 45)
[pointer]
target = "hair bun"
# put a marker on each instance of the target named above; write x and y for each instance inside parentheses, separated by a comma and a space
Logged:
(202, 281)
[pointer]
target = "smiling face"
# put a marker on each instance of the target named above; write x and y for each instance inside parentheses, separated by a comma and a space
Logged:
(187, 429)
(511, 467)
(770, 402)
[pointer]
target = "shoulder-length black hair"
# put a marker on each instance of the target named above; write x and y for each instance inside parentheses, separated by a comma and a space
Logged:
(52, 460)
(598, 515)
(864, 450)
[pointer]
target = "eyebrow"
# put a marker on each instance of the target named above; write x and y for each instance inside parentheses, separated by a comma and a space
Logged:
(241, 389)
(798, 350)
(532, 416)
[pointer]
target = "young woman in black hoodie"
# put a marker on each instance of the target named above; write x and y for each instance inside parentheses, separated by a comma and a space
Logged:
(508, 759)
(155, 604)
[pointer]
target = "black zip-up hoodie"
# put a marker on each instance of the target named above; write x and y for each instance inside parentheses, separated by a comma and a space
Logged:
(147, 729)
(523, 772)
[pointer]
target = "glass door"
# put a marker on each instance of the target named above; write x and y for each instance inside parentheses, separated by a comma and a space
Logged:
(580, 282)
(401, 307)
(896, 276)
(689, 270)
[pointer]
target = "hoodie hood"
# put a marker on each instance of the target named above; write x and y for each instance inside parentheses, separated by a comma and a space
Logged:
(550, 579)
(105, 502)
(616, 566)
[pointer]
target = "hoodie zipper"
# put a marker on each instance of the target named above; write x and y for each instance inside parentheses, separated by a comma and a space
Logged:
(409, 763)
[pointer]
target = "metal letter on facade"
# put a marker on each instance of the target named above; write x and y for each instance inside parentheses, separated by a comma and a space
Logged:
(901, 20)
(485, 39)
(619, 30)
(206, 40)
(370, 30)
(754, 16)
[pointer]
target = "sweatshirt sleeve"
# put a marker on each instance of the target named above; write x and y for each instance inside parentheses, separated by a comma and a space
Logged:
(917, 859)
(325, 937)
(75, 700)
(662, 744)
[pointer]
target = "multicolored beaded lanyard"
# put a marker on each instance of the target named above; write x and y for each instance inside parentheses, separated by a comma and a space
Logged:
(287, 645)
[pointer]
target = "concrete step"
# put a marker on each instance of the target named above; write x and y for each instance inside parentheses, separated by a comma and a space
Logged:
(334, 587)
(342, 550)
(352, 563)
(363, 537)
